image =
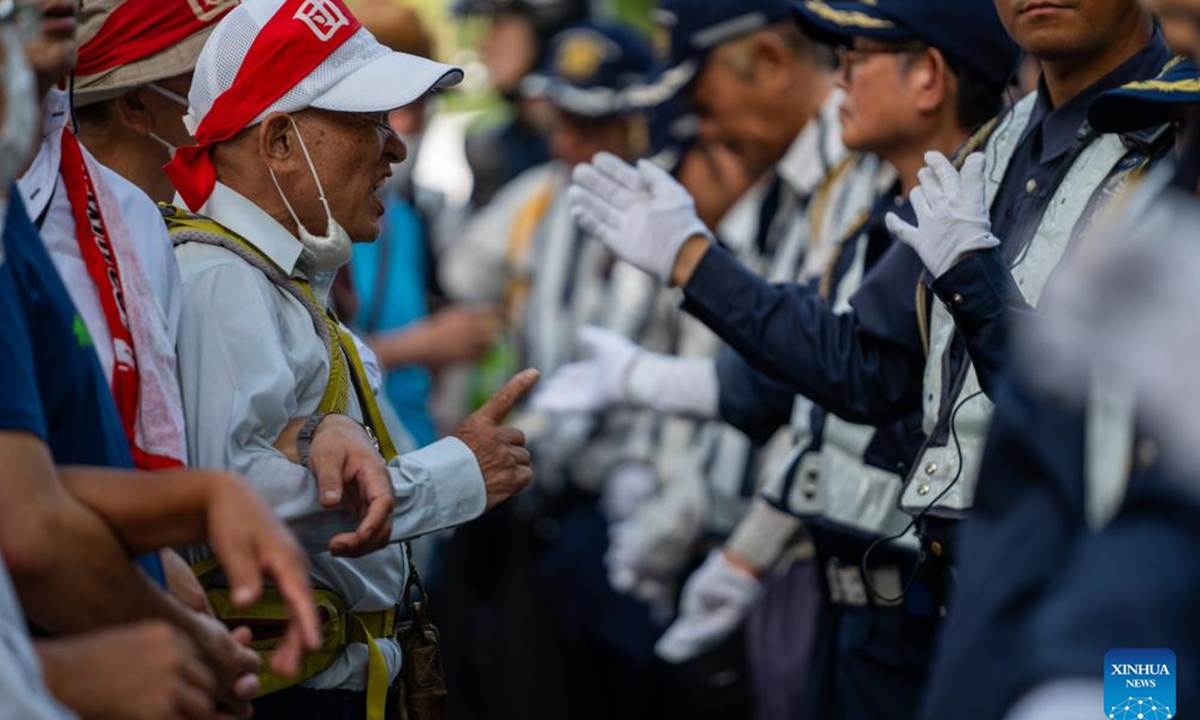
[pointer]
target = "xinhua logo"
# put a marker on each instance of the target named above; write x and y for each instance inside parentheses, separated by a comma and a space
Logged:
(1139, 684)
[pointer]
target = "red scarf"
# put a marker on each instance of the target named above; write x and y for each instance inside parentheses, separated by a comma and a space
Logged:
(137, 29)
(96, 247)
(286, 50)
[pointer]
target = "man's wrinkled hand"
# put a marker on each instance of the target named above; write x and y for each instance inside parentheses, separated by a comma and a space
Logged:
(233, 665)
(182, 583)
(351, 472)
(142, 671)
(500, 449)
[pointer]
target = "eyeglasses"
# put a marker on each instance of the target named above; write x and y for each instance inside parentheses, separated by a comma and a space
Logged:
(848, 57)
(377, 120)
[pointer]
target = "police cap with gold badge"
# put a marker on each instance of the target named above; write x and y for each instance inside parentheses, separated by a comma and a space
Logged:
(587, 66)
(686, 31)
(547, 16)
(967, 32)
(1147, 103)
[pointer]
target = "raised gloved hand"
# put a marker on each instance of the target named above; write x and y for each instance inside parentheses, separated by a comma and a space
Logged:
(594, 384)
(621, 373)
(952, 215)
(642, 214)
(716, 598)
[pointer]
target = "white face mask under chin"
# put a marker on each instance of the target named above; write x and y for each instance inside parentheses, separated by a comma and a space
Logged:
(331, 250)
(178, 100)
(162, 141)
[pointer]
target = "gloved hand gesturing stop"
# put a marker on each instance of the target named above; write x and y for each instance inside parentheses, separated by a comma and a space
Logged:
(597, 383)
(952, 214)
(641, 213)
(716, 598)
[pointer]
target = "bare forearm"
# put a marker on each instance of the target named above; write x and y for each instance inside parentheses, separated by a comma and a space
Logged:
(146, 510)
(454, 334)
(404, 347)
(88, 580)
(71, 572)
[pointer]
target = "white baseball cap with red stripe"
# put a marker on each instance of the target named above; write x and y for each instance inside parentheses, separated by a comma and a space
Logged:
(269, 56)
(361, 75)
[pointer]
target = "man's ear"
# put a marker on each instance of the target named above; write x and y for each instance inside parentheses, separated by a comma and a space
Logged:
(133, 111)
(772, 60)
(933, 80)
(277, 141)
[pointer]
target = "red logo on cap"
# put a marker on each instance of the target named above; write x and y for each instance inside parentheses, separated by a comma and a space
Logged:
(205, 10)
(323, 17)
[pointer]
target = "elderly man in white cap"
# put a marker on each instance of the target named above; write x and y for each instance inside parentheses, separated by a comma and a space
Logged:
(289, 106)
(135, 65)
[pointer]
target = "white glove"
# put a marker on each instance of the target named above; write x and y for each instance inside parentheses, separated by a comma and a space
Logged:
(597, 383)
(716, 598)
(627, 545)
(642, 214)
(647, 552)
(632, 558)
(672, 385)
(952, 215)
(622, 373)
(627, 488)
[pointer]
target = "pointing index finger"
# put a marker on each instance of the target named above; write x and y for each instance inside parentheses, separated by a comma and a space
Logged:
(500, 404)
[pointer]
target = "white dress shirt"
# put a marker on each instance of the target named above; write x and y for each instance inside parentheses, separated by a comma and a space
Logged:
(45, 197)
(249, 362)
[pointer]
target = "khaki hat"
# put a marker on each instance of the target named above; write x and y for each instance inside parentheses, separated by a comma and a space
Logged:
(124, 44)
(396, 26)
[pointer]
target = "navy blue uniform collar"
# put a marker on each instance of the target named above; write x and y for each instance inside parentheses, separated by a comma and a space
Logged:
(1060, 126)
(893, 201)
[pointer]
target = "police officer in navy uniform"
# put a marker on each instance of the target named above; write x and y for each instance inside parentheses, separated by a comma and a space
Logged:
(586, 650)
(512, 46)
(766, 94)
(874, 650)
(1080, 532)
(877, 637)
(1041, 168)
